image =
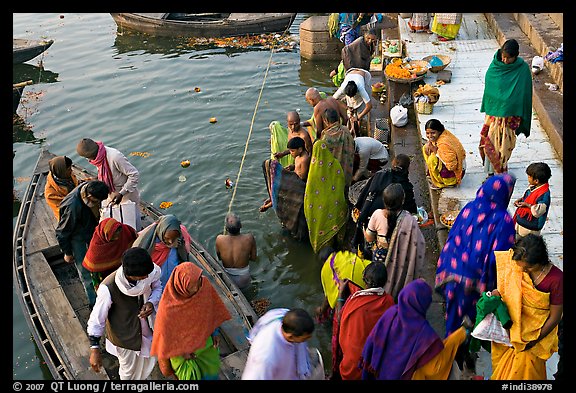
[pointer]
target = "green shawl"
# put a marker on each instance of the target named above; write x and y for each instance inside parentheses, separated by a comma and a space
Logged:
(206, 364)
(508, 91)
(325, 206)
(278, 142)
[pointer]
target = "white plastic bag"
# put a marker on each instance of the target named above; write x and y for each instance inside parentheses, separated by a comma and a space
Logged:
(537, 64)
(125, 212)
(399, 115)
(491, 329)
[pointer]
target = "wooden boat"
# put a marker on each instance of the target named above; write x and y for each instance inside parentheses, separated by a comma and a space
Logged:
(17, 90)
(203, 25)
(24, 50)
(56, 307)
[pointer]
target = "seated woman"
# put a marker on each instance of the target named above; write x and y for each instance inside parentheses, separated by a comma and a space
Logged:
(60, 181)
(109, 241)
(532, 289)
(396, 239)
(444, 155)
(167, 242)
(404, 346)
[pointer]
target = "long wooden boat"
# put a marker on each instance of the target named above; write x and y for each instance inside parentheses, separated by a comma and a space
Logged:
(24, 50)
(17, 90)
(56, 307)
(203, 25)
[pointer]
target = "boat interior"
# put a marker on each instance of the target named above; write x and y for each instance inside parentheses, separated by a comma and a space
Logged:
(203, 17)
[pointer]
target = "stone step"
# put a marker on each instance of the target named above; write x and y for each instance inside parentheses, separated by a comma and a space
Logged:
(545, 36)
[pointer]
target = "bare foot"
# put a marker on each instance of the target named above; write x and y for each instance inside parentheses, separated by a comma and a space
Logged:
(265, 206)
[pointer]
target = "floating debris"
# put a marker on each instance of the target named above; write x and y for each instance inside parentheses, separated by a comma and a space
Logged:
(165, 205)
(185, 163)
(260, 306)
(144, 154)
(182, 178)
(213, 120)
(197, 90)
(264, 41)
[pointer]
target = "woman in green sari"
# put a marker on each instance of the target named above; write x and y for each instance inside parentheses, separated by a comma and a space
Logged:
(325, 205)
(507, 102)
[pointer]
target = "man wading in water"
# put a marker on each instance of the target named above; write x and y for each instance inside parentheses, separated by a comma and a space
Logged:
(236, 250)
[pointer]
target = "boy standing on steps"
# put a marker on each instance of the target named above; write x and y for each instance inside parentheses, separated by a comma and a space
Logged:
(532, 208)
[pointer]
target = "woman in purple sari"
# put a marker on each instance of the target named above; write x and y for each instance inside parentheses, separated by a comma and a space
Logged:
(403, 345)
(467, 265)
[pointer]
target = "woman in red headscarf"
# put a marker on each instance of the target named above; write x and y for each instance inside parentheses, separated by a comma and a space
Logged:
(111, 238)
(186, 334)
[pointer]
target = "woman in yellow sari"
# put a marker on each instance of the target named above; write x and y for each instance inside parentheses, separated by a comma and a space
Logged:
(444, 155)
(532, 289)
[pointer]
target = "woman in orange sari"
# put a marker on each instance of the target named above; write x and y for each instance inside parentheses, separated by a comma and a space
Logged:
(59, 182)
(444, 155)
(186, 330)
(532, 289)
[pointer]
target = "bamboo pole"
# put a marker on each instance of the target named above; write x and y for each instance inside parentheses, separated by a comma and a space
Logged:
(21, 84)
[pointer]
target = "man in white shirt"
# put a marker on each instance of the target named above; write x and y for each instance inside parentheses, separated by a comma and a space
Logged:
(370, 156)
(355, 86)
(278, 349)
(115, 170)
(118, 313)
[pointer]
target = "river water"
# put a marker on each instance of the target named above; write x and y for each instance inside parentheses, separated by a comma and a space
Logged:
(138, 94)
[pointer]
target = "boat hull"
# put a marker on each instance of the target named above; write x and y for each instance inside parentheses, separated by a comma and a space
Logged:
(24, 50)
(235, 25)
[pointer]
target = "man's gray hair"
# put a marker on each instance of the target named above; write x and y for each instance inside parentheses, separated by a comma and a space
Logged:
(233, 223)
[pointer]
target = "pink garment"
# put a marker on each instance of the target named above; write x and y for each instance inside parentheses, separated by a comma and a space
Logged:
(104, 172)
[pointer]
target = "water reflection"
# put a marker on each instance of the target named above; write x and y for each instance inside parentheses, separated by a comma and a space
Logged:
(24, 72)
(311, 73)
(22, 132)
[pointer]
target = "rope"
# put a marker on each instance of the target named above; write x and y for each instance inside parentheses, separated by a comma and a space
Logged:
(250, 132)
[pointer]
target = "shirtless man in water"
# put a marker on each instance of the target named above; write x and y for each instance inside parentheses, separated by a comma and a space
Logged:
(236, 250)
(320, 105)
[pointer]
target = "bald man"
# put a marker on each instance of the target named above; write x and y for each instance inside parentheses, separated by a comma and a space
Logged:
(320, 105)
(295, 129)
(236, 250)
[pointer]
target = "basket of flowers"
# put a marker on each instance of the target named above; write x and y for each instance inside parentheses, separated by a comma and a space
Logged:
(398, 71)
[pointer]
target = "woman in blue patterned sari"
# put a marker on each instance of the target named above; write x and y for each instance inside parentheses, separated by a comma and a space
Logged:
(467, 265)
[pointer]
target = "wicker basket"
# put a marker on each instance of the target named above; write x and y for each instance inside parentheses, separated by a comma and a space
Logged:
(382, 131)
(424, 107)
(445, 59)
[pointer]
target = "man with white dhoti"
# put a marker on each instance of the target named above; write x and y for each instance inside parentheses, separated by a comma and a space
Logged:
(134, 290)
(278, 348)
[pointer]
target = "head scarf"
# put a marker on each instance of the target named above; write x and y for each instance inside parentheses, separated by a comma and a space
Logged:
(484, 225)
(402, 340)
(103, 253)
(159, 250)
(59, 169)
(185, 321)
